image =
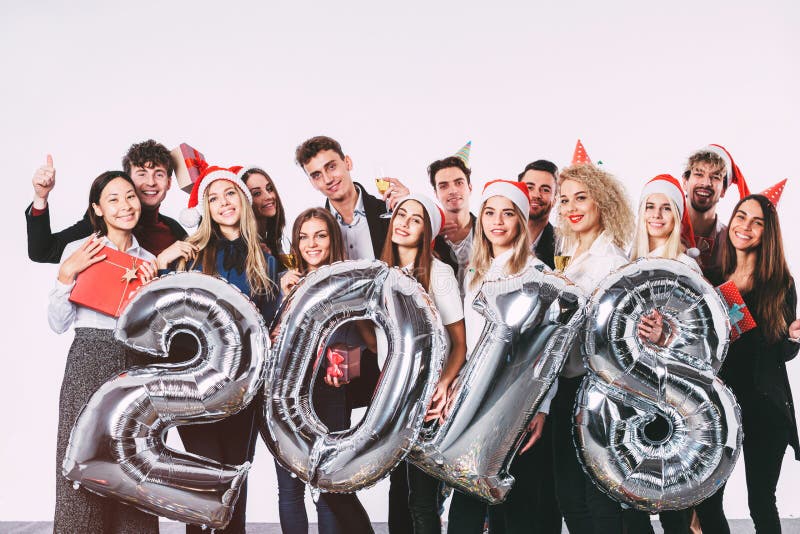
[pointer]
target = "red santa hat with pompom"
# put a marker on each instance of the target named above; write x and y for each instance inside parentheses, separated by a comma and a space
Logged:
(668, 185)
(516, 192)
(191, 216)
(733, 175)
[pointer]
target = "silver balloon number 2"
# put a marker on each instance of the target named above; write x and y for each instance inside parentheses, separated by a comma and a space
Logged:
(532, 321)
(331, 296)
(116, 447)
(655, 428)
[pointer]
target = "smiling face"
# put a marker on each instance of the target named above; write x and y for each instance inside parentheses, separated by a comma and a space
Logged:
(408, 224)
(452, 189)
(500, 223)
(265, 201)
(747, 226)
(119, 206)
(224, 204)
(578, 208)
(314, 243)
(659, 216)
(541, 187)
(704, 186)
(152, 183)
(330, 174)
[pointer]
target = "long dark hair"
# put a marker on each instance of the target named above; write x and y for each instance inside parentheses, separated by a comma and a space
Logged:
(270, 228)
(771, 276)
(96, 189)
(424, 258)
(336, 252)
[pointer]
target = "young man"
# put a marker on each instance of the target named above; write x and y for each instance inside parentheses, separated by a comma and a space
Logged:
(149, 165)
(706, 178)
(540, 178)
(358, 212)
(450, 179)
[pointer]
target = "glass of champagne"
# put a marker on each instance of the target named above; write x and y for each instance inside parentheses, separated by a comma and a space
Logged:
(289, 261)
(560, 259)
(383, 185)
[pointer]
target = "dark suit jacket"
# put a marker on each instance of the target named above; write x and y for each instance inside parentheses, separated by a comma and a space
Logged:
(46, 247)
(378, 227)
(443, 250)
(546, 248)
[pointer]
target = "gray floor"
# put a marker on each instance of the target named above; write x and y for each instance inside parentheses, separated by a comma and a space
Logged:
(740, 526)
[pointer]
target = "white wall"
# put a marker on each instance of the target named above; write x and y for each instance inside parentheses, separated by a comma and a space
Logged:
(641, 83)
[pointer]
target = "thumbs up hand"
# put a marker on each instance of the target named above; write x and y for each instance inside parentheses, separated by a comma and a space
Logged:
(44, 180)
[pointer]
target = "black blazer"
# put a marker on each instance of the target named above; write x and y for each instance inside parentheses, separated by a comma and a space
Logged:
(378, 227)
(546, 248)
(46, 247)
(443, 250)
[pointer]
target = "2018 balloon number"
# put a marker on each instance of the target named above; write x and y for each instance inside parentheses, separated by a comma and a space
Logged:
(117, 445)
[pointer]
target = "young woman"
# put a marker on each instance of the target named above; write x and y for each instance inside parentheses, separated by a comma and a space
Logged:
(316, 241)
(755, 367)
(662, 231)
(596, 223)
(226, 244)
(416, 221)
(267, 205)
(95, 355)
(501, 248)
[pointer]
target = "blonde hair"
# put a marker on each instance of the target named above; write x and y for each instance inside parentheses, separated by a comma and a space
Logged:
(616, 215)
(206, 239)
(641, 239)
(481, 258)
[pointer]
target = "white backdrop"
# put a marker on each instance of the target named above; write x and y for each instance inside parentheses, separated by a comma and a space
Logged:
(641, 83)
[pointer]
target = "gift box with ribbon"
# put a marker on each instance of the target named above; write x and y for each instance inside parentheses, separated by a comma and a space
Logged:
(344, 362)
(108, 285)
(189, 164)
(740, 317)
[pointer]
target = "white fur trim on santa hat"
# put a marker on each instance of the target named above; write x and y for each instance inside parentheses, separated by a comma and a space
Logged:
(509, 190)
(222, 174)
(665, 188)
(433, 210)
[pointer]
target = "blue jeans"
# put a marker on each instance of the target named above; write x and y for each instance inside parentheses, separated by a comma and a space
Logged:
(337, 513)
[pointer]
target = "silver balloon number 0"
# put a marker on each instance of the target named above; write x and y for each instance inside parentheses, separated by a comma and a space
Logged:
(117, 445)
(655, 428)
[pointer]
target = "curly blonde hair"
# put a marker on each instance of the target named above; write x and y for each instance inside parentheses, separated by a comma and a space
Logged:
(616, 215)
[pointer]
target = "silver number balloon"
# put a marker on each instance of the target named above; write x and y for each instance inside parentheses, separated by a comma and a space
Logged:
(532, 321)
(349, 460)
(117, 445)
(655, 427)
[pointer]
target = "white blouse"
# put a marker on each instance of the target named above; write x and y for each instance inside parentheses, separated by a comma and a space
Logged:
(61, 313)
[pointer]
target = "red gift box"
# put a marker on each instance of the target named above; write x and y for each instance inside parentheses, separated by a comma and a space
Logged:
(344, 362)
(189, 164)
(108, 285)
(740, 317)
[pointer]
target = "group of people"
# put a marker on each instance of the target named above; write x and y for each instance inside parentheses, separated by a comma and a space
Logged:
(240, 221)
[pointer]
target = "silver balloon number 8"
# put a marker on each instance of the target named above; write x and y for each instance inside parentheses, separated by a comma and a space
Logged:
(655, 428)
(117, 445)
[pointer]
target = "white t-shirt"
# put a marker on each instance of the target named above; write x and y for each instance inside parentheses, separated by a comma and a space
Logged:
(445, 292)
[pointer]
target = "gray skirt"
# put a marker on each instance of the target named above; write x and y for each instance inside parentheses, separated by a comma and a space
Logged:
(94, 357)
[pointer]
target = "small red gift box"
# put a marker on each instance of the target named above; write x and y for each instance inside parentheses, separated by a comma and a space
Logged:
(189, 164)
(108, 285)
(739, 315)
(344, 362)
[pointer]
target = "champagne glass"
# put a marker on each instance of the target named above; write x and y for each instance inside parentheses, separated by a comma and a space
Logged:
(289, 261)
(383, 186)
(561, 259)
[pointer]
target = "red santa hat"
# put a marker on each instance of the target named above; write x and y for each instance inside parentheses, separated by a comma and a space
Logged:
(191, 216)
(435, 213)
(667, 185)
(516, 192)
(733, 175)
(774, 193)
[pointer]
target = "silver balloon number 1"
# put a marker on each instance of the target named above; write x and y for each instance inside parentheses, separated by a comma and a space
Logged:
(117, 445)
(655, 427)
